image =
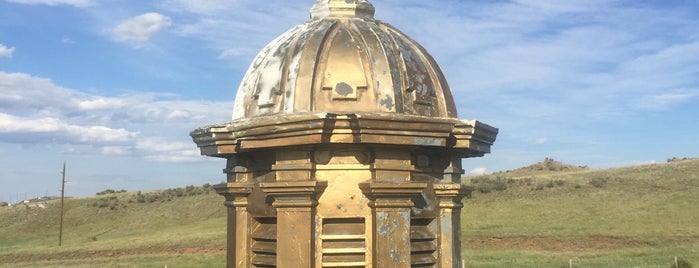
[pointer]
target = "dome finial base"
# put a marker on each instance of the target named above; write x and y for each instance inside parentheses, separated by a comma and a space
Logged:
(342, 8)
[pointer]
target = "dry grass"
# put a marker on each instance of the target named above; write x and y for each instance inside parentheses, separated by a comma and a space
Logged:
(641, 216)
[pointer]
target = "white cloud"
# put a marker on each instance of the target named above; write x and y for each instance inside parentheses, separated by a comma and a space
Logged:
(26, 127)
(22, 91)
(478, 171)
(665, 100)
(101, 134)
(6, 52)
(13, 124)
(116, 150)
(75, 3)
(232, 52)
(541, 141)
(160, 150)
(200, 6)
(66, 40)
(100, 103)
(139, 29)
(154, 127)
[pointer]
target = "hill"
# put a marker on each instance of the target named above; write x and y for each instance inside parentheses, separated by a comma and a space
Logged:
(552, 165)
(128, 229)
(640, 216)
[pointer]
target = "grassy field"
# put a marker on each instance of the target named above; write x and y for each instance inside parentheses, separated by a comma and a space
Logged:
(641, 216)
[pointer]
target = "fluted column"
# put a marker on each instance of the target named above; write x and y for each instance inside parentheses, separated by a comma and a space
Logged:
(295, 202)
(238, 238)
(391, 203)
(449, 197)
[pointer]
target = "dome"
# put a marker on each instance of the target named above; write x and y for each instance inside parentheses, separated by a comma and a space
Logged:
(343, 61)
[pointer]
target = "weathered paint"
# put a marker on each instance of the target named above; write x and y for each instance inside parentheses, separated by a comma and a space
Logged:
(344, 150)
(357, 65)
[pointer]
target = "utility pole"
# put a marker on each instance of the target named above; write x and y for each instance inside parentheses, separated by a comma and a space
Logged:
(63, 190)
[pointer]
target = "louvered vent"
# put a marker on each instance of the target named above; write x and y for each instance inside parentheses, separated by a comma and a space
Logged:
(423, 243)
(344, 242)
(264, 242)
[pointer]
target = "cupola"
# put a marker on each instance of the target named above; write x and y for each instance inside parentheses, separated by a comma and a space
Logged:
(343, 61)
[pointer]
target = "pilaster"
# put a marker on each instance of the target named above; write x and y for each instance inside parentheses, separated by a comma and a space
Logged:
(449, 197)
(391, 204)
(295, 202)
(238, 239)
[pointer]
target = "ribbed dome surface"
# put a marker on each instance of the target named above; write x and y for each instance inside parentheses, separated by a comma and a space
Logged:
(343, 61)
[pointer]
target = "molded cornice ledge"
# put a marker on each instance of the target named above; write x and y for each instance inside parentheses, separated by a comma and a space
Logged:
(471, 137)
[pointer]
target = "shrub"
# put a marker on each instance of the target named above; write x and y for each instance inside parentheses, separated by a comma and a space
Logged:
(550, 184)
(599, 181)
(539, 186)
(104, 202)
(150, 198)
(487, 184)
(681, 263)
(108, 191)
(484, 188)
(140, 198)
(500, 183)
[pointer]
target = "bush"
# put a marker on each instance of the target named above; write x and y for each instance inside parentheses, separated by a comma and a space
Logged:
(110, 191)
(599, 181)
(550, 184)
(540, 186)
(140, 198)
(500, 184)
(171, 194)
(485, 184)
(104, 202)
(484, 188)
(681, 263)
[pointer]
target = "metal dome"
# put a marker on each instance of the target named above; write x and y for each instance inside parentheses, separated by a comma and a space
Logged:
(343, 61)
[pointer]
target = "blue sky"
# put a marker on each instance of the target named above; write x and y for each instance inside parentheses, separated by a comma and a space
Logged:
(114, 87)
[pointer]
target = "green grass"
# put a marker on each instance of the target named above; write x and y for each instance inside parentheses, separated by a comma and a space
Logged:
(192, 260)
(639, 216)
(187, 227)
(642, 216)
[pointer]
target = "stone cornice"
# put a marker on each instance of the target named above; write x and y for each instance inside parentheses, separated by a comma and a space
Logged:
(471, 137)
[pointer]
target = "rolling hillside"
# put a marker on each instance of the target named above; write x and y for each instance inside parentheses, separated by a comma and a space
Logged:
(640, 216)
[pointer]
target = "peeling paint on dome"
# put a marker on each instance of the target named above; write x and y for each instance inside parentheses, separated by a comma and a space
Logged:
(343, 64)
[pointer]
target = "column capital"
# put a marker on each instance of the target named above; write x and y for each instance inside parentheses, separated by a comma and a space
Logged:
(236, 193)
(293, 194)
(450, 194)
(391, 194)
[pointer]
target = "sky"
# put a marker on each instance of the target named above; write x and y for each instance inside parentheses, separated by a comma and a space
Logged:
(114, 87)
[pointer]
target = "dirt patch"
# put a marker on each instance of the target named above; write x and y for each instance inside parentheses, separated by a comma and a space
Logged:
(577, 243)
